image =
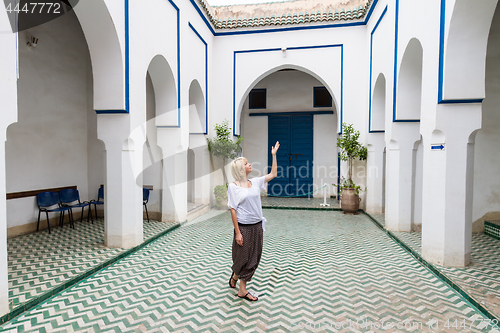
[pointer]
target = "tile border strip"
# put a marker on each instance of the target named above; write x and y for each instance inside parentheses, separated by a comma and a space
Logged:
(443, 277)
(73, 281)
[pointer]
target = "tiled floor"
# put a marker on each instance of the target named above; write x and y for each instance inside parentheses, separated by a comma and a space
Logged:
(41, 261)
(319, 270)
(481, 279)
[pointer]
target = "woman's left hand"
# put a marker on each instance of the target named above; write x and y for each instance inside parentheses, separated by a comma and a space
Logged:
(275, 148)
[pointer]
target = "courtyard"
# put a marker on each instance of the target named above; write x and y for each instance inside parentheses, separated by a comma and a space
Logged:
(321, 270)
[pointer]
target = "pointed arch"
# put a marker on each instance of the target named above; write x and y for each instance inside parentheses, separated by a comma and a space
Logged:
(197, 109)
(108, 52)
(165, 92)
(409, 87)
(377, 115)
(237, 116)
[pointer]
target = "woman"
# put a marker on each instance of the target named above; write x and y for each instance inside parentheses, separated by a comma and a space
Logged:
(249, 224)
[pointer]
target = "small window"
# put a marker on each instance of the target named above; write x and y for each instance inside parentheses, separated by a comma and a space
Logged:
(321, 98)
(257, 99)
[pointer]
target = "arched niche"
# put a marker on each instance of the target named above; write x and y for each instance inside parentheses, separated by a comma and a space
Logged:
(165, 92)
(409, 93)
(465, 40)
(107, 51)
(197, 109)
(378, 105)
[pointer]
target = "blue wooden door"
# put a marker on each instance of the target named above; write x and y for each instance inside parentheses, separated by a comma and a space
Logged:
(295, 156)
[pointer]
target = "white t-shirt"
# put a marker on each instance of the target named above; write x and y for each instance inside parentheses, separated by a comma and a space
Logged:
(247, 202)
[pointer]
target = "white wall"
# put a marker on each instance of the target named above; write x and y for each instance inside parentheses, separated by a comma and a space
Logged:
(291, 91)
(48, 147)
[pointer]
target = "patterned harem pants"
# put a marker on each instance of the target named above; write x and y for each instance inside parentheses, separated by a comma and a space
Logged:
(246, 258)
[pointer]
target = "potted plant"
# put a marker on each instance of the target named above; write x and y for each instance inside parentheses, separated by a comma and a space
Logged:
(220, 192)
(350, 150)
(224, 147)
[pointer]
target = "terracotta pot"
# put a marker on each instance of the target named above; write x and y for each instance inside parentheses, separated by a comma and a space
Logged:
(350, 201)
(223, 205)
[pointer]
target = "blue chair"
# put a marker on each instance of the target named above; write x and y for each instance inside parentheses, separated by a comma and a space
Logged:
(48, 202)
(145, 199)
(71, 198)
(100, 195)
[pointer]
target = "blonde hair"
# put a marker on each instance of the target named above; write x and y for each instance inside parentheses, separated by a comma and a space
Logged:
(238, 168)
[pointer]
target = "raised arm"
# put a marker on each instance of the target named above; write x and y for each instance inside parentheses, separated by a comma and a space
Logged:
(274, 168)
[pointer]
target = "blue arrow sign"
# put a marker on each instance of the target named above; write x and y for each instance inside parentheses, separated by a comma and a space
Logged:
(436, 147)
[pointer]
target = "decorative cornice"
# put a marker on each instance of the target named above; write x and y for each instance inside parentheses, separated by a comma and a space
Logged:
(344, 14)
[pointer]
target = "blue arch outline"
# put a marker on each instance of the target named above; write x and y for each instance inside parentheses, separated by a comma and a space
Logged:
(290, 49)
(371, 74)
(206, 77)
(127, 66)
(442, 24)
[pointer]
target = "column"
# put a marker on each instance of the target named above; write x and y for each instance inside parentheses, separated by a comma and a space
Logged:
(447, 185)
(399, 176)
(8, 96)
(123, 183)
(374, 181)
(174, 175)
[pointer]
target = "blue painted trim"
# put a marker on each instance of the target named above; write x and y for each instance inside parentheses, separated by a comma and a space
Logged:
(111, 111)
(168, 127)
(406, 121)
(371, 73)
(341, 87)
(127, 58)
(127, 68)
(394, 85)
(206, 75)
(293, 28)
(442, 26)
(296, 113)
(178, 64)
(290, 49)
(202, 15)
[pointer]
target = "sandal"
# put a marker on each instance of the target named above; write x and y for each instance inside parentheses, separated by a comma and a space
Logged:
(248, 298)
(231, 279)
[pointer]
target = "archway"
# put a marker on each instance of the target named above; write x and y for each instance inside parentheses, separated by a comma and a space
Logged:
(291, 116)
(378, 105)
(402, 161)
(486, 185)
(198, 159)
(376, 149)
(409, 92)
(159, 155)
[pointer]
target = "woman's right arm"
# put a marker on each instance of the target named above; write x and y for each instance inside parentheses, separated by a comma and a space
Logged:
(239, 237)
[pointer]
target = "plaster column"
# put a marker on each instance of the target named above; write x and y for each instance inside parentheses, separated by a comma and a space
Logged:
(174, 175)
(448, 186)
(399, 176)
(8, 96)
(202, 168)
(375, 166)
(123, 183)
